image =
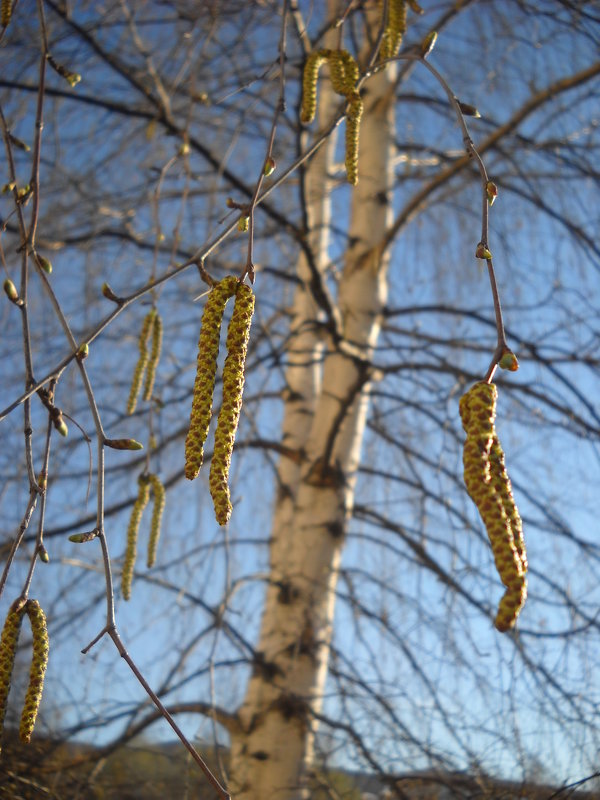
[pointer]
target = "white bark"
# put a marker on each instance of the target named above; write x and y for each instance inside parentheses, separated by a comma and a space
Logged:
(326, 424)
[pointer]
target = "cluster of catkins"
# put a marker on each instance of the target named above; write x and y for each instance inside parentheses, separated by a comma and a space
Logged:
(490, 489)
(238, 334)
(145, 482)
(343, 71)
(147, 361)
(344, 74)
(39, 662)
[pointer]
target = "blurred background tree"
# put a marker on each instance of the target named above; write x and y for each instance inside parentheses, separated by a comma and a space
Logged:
(343, 619)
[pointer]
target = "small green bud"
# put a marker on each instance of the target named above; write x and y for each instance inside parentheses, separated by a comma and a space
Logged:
(44, 555)
(82, 538)
(123, 444)
(23, 193)
(83, 352)
(61, 426)
(428, 43)
(269, 166)
(8, 187)
(45, 264)
(184, 149)
(243, 224)
(509, 361)
(482, 251)
(11, 291)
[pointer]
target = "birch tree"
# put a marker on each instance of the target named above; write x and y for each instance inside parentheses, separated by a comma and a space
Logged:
(344, 617)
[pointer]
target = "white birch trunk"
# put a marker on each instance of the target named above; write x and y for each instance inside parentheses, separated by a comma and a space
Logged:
(273, 753)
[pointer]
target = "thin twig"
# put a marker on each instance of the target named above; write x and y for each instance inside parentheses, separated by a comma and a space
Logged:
(279, 109)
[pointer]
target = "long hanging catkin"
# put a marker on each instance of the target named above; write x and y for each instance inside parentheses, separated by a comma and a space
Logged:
(8, 649)
(488, 485)
(204, 385)
(238, 334)
(39, 662)
(309, 84)
(157, 329)
(344, 74)
(395, 28)
(138, 372)
(158, 490)
(132, 534)
(353, 117)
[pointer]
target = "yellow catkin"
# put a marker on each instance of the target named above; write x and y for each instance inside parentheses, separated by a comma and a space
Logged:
(394, 30)
(337, 71)
(138, 372)
(353, 117)
(488, 485)
(132, 534)
(6, 9)
(39, 662)
(204, 385)
(157, 332)
(158, 490)
(238, 334)
(309, 85)
(8, 649)
(344, 73)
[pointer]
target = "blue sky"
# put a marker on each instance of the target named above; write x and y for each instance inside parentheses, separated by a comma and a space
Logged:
(485, 689)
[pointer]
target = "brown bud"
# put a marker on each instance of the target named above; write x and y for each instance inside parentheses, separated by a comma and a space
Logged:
(492, 192)
(20, 145)
(468, 110)
(109, 294)
(72, 78)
